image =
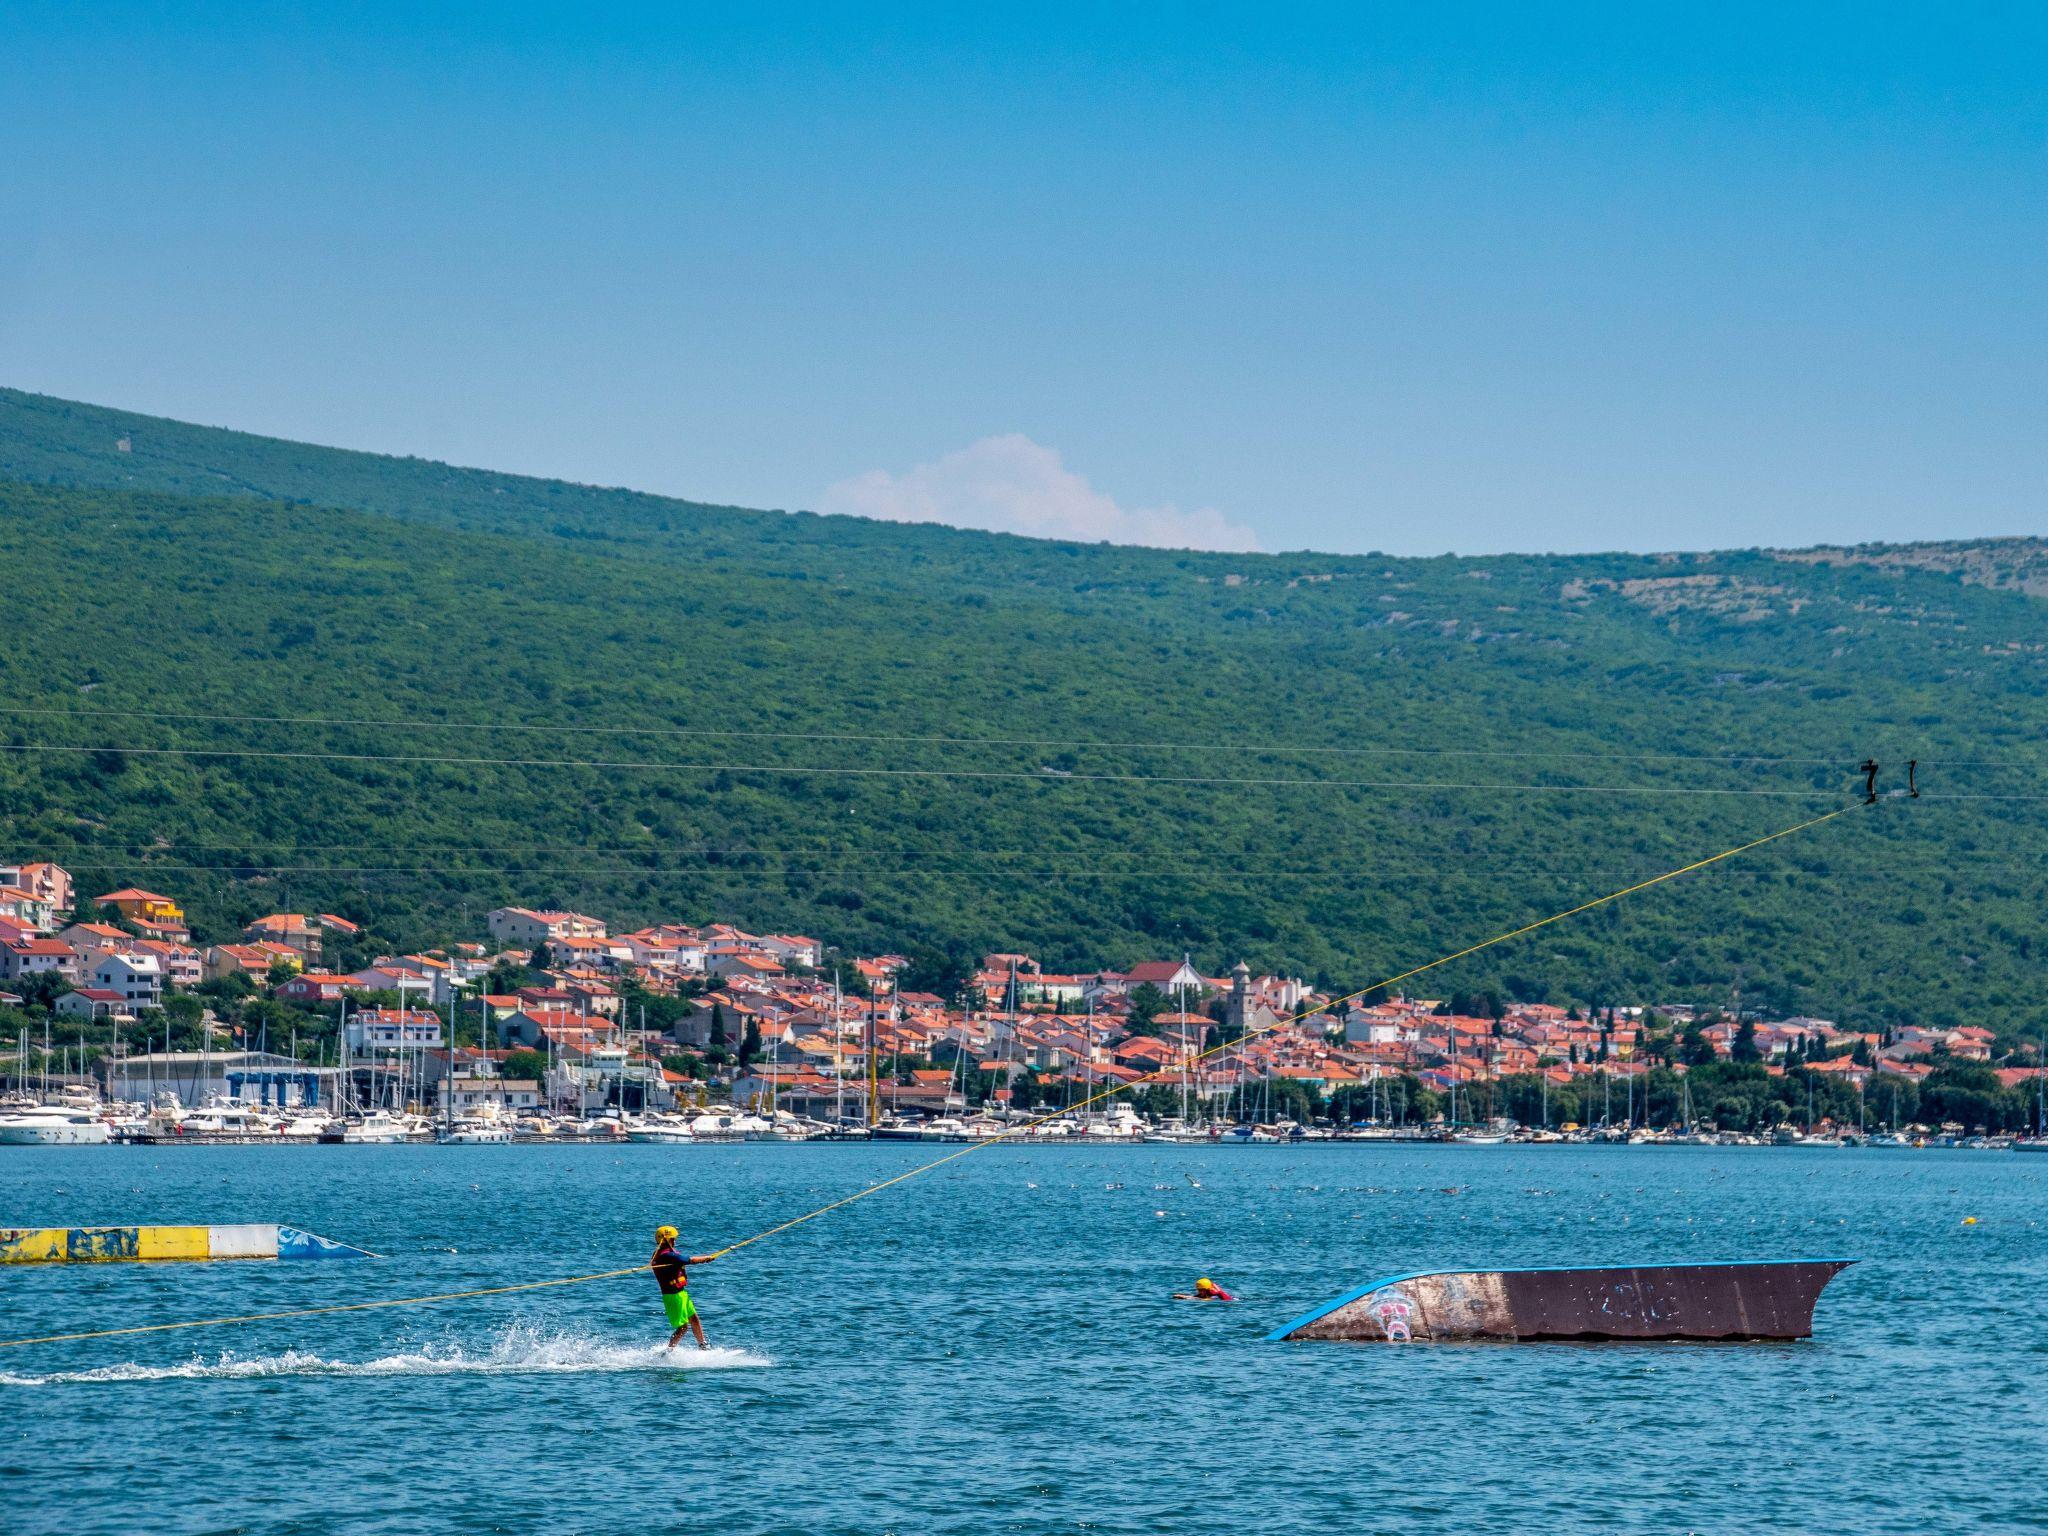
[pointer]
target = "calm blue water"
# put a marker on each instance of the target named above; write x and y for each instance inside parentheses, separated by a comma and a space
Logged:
(991, 1347)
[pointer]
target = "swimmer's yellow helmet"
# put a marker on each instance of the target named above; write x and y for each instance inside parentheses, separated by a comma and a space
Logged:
(664, 1234)
(1205, 1284)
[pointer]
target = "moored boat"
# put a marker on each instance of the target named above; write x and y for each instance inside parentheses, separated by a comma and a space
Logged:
(52, 1125)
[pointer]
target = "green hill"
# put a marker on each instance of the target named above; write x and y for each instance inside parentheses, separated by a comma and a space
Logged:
(896, 735)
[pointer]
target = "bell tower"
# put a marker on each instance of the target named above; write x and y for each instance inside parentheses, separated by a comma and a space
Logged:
(1240, 998)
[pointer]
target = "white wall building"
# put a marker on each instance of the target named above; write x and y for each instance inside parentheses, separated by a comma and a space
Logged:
(138, 977)
(526, 927)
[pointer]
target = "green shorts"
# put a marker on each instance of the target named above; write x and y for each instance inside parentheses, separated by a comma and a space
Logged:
(679, 1307)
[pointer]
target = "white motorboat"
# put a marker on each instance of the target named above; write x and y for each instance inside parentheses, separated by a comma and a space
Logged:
(1119, 1122)
(1179, 1132)
(476, 1132)
(1063, 1129)
(660, 1130)
(378, 1128)
(943, 1128)
(898, 1128)
(52, 1125)
(221, 1121)
(1243, 1133)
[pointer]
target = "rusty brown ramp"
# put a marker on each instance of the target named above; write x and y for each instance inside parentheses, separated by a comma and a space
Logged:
(1769, 1299)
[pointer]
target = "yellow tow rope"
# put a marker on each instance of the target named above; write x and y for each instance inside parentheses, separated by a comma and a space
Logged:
(972, 1147)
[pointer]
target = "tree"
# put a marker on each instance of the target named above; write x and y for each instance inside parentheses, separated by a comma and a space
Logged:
(940, 969)
(43, 988)
(718, 1038)
(1147, 1003)
(541, 960)
(86, 910)
(1745, 1048)
(1698, 1050)
(506, 976)
(526, 1066)
(750, 1041)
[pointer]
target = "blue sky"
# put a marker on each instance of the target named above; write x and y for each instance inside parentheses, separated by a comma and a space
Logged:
(1435, 278)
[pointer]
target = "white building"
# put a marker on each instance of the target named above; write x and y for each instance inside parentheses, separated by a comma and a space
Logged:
(34, 957)
(27, 908)
(138, 978)
(474, 1093)
(95, 1003)
(527, 927)
(392, 1029)
(792, 949)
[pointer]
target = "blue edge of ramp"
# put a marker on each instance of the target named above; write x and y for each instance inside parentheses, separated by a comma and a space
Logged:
(296, 1243)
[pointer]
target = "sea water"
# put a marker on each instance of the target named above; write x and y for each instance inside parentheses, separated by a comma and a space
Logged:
(993, 1347)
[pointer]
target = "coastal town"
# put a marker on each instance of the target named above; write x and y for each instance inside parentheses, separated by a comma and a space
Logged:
(551, 1023)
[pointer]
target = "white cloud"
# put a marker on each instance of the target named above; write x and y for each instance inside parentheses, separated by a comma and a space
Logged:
(1010, 484)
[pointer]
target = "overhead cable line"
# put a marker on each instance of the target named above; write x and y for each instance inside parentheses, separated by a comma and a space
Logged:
(629, 765)
(1367, 870)
(1274, 749)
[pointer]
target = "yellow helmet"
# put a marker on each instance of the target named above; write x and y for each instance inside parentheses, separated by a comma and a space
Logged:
(665, 1234)
(1205, 1284)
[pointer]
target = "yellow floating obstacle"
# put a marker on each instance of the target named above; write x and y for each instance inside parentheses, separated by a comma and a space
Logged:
(101, 1245)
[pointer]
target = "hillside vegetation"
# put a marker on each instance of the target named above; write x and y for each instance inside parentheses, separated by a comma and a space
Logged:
(1336, 764)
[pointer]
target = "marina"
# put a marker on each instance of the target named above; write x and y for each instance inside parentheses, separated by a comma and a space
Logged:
(76, 1117)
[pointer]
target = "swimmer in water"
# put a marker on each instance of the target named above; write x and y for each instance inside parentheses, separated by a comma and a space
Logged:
(1205, 1290)
(672, 1274)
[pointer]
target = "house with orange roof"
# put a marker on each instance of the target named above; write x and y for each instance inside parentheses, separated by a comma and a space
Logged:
(1972, 1042)
(727, 960)
(183, 965)
(391, 976)
(251, 960)
(294, 930)
(1143, 1053)
(41, 879)
(1169, 976)
(793, 948)
(156, 915)
(84, 937)
(528, 927)
(29, 955)
(312, 988)
(27, 908)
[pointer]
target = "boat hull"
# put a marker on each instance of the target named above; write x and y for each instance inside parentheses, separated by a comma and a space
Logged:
(55, 1136)
(1771, 1300)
